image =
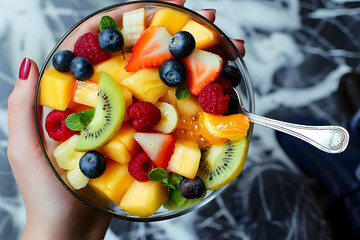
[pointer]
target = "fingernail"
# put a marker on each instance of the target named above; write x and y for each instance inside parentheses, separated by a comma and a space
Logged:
(240, 41)
(209, 9)
(24, 69)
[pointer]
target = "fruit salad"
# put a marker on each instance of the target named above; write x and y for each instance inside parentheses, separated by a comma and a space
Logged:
(140, 112)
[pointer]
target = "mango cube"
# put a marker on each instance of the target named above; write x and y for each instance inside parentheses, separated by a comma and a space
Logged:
(123, 146)
(186, 107)
(114, 66)
(117, 151)
(171, 19)
(144, 198)
(185, 159)
(204, 37)
(114, 182)
(56, 89)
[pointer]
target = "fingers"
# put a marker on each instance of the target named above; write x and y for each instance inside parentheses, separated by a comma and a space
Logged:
(22, 132)
(208, 13)
(239, 44)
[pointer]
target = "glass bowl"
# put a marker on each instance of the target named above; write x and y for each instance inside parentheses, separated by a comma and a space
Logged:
(88, 195)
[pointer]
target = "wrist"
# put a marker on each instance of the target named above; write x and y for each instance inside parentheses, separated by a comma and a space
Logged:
(95, 229)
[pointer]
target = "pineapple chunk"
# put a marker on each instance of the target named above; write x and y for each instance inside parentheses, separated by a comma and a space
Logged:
(86, 93)
(56, 89)
(146, 85)
(133, 26)
(171, 19)
(186, 107)
(204, 37)
(185, 159)
(144, 198)
(114, 182)
(114, 66)
(66, 157)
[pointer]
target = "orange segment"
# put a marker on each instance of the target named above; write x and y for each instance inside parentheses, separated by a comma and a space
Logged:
(233, 127)
(204, 131)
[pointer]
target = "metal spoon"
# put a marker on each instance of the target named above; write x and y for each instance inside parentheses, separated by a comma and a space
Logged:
(331, 139)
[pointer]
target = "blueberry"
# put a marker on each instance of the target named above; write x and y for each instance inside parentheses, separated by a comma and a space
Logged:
(232, 74)
(173, 72)
(192, 188)
(81, 68)
(93, 164)
(111, 40)
(182, 44)
(61, 60)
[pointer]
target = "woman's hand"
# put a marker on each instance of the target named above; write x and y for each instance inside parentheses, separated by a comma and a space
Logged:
(51, 211)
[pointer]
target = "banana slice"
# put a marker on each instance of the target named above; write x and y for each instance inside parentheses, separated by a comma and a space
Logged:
(76, 178)
(169, 118)
(133, 26)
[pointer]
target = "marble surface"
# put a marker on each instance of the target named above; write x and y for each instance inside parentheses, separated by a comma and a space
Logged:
(296, 52)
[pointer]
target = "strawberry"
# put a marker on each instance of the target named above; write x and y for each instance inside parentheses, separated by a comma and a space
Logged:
(158, 146)
(150, 50)
(203, 68)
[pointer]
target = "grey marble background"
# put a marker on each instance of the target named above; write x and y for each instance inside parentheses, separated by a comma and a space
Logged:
(296, 52)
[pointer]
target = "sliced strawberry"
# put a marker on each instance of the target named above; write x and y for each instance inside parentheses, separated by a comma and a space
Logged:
(158, 146)
(150, 50)
(203, 68)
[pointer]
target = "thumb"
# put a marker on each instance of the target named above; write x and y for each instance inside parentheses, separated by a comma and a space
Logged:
(21, 122)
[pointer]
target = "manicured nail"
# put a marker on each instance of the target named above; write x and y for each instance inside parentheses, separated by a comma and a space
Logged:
(210, 9)
(24, 69)
(240, 41)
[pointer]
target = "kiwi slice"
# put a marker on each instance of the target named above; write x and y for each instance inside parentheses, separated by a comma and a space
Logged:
(108, 117)
(221, 164)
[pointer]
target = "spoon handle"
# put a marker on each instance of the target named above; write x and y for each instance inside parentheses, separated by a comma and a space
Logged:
(331, 139)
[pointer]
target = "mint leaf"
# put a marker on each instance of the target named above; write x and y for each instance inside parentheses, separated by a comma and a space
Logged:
(158, 175)
(175, 196)
(87, 116)
(73, 122)
(106, 22)
(175, 180)
(78, 121)
(182, 92)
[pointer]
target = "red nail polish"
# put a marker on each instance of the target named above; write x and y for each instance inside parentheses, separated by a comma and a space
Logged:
(209, 9)
(240, 41)
(25, 69)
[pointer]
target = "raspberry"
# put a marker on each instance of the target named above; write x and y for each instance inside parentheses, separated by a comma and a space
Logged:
(140, 166)
(88, 47)
(212, 99)
(226, 85)
(144, 115)
(56, 127)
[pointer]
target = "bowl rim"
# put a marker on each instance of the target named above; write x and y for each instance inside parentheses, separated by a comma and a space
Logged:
(239, 60)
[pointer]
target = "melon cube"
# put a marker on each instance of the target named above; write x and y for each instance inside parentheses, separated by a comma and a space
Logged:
(114, 66)
(114, 182)
(146, 85)
(171, 19)
(66, 156)
(185, 159)
(144, 198)
(204, 37)
(56, 89)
